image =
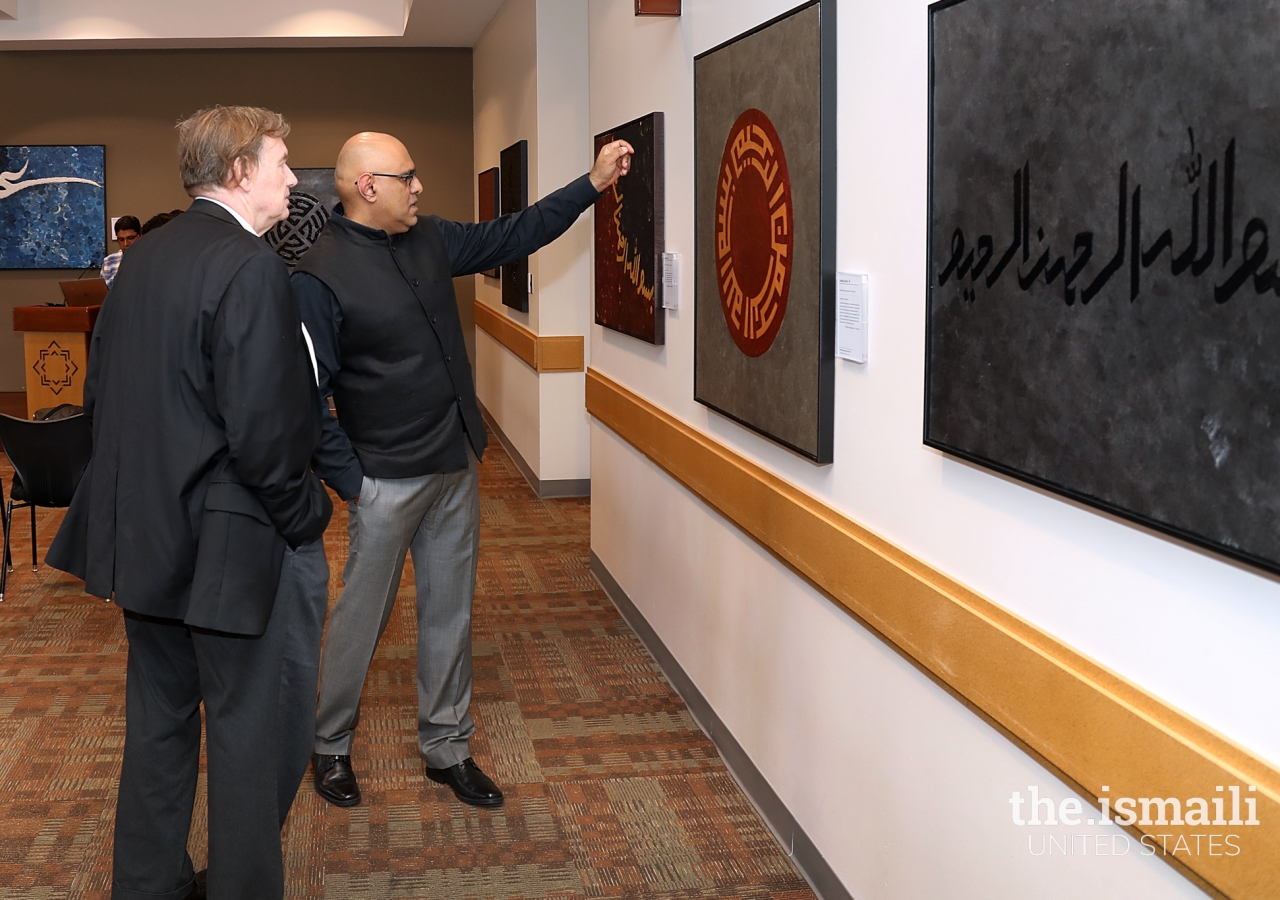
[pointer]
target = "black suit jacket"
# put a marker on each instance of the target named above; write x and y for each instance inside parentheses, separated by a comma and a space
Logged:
(204, 413)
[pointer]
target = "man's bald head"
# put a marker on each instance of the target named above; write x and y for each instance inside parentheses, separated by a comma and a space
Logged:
(368, 151)
(375, 181)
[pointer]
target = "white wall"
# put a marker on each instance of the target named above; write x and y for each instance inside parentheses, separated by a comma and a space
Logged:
(505, 74)
(903, 790)
(563, 274)
(531, 83)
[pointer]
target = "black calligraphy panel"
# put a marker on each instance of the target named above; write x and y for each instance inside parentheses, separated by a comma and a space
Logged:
(1104, 305)
(514, 193)
(489, 207)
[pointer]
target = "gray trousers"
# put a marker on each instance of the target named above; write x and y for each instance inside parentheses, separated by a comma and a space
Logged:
(259, 695)
(437, 519)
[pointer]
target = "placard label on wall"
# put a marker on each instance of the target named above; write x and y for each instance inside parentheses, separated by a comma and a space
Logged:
(670, 281)
(851, 316)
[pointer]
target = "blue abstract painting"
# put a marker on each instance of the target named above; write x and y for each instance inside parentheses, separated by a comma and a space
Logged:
(52, 207)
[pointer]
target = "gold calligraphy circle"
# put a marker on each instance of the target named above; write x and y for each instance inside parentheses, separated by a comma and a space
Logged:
(754, 234)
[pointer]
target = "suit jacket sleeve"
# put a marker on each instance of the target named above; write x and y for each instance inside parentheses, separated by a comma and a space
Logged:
(94, 369)
(486, 245)
(263, 388)
(69, 550)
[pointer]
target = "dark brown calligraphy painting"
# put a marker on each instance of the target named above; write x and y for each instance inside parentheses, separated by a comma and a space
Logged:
(489, 206)
(629, 236)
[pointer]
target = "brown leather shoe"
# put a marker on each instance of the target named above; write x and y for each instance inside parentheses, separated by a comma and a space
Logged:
(469, 784)
(334, 779)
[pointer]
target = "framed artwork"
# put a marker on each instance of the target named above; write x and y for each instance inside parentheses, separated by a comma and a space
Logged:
(514, 176)
(764, 319)
(1102, 292)
(310, 203)
(488, 185)
(630, 235)
(53, 206)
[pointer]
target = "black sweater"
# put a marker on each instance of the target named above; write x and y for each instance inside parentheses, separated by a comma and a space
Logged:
(383, 317)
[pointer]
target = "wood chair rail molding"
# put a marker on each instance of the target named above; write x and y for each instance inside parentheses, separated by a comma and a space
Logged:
(1089, 725)
(542, 353)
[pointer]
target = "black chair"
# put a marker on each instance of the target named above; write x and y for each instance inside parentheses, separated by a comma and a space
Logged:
(48, 459)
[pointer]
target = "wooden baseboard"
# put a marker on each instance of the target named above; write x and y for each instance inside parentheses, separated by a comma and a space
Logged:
(542, 353)
(1085, 722)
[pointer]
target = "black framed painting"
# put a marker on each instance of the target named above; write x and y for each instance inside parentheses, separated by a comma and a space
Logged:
(53, 206)
(630, 234)
(1102, 293)
(514, 165)
(489, 203)
(764, 319)
(311, 202)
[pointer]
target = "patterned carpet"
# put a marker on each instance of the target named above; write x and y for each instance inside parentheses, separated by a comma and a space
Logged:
(612, 791)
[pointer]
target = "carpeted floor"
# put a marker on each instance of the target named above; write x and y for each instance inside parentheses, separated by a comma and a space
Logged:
(612, 791)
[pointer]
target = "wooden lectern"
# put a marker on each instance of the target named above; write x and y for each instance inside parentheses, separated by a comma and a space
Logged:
(56, 339)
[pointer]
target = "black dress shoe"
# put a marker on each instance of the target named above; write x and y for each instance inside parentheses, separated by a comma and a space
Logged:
(335, 781)
(469, 784)
(198, 890)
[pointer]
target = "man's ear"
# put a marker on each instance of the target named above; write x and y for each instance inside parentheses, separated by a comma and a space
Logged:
(242, 173)
(239, 173)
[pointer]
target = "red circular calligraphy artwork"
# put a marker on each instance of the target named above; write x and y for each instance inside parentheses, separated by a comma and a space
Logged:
(754, 234)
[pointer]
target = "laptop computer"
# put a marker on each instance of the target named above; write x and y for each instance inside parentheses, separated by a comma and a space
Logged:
(86, 292)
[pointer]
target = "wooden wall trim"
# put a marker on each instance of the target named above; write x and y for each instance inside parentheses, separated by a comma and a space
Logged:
(542, 353)
(1088, 724)
(561, 353)
(510, 334)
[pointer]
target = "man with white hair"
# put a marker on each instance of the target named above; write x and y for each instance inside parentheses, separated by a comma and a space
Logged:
(199, 516)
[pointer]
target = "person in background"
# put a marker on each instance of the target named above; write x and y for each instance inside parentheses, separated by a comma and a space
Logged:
(128, 230)
(159, 219)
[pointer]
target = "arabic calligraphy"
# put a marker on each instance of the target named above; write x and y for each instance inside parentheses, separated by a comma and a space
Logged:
(10, 183)
(629, 236)
(293, 237)
(630, 257)
(753, 234)
(969, 265)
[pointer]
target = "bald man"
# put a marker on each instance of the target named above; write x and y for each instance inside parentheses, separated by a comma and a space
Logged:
(376, 294)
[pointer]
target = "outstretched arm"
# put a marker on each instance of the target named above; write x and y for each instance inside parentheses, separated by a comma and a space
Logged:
(486, 245)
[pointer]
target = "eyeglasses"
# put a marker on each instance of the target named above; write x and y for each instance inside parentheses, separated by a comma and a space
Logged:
(407, 177)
